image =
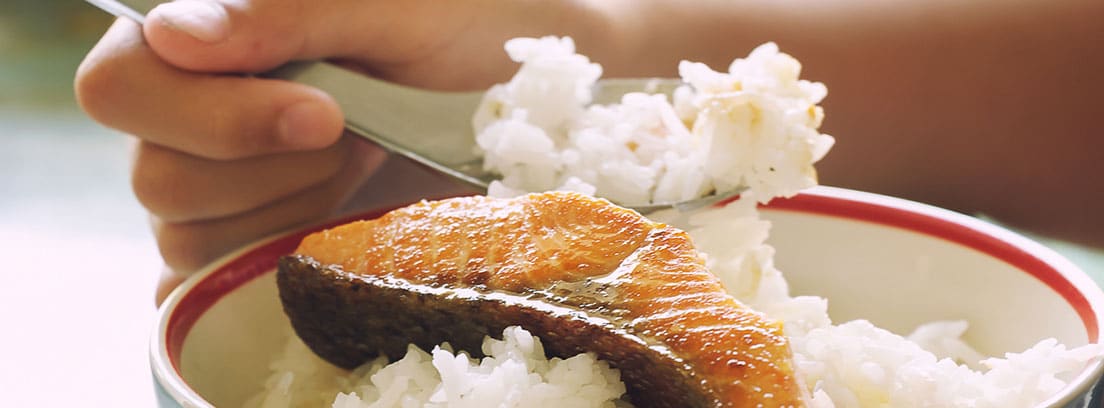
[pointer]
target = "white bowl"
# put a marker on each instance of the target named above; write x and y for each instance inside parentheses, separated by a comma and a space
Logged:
(891, 261)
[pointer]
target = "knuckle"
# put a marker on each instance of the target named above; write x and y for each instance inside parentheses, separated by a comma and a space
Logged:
(94, 87)
(156, 180)
(101, 78)
(183, 247)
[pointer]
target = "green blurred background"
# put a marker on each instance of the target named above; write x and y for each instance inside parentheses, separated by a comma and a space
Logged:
(41, 45)
(57, 164)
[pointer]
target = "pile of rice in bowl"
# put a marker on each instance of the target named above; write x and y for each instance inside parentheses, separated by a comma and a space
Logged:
(754, 126)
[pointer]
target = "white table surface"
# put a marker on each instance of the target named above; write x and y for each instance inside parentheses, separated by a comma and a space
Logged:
(79, 267)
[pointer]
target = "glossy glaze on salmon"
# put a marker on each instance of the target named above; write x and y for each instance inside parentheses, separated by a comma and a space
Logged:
(578, 272)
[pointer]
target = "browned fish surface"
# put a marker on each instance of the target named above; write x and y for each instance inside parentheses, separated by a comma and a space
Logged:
(580, 273)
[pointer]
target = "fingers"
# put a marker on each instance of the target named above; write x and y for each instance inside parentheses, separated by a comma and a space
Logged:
(208, 35)
(123, 84)
(254, 36)
(180, 187)
(187, 246)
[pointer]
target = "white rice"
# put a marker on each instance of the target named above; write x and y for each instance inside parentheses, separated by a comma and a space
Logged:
(754, 126)
(514, 373)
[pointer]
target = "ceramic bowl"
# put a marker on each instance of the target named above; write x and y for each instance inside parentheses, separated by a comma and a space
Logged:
(894, 262)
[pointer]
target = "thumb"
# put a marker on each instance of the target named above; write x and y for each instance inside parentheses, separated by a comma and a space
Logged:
(231, 36)
(258, 35)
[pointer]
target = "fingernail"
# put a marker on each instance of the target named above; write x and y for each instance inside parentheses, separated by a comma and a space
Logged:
(205, 21)
(297, 124)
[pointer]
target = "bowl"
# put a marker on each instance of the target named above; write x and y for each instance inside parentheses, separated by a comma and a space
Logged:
(894, 262)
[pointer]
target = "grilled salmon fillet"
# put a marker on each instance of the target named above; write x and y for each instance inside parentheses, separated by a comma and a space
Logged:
(582, 274)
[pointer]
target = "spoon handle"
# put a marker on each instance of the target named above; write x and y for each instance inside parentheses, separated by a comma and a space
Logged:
(432, 128)
(133, 9)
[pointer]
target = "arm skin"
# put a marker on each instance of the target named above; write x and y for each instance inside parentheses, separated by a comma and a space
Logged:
(983, 106)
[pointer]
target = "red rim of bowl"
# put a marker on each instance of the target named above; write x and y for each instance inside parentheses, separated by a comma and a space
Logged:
(193, 298)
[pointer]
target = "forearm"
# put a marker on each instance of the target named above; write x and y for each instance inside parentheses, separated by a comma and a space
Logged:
(981, 106)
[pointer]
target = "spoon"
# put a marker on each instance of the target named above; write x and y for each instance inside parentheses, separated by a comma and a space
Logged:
(429, 127)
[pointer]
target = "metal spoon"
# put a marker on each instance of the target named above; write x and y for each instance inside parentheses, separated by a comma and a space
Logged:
(431, 128)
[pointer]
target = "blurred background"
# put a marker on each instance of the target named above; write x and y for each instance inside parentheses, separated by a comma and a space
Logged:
(76, 302)
(80, 264)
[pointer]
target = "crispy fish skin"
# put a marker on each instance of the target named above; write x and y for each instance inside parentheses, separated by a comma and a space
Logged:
(319, 298)
(578, 272)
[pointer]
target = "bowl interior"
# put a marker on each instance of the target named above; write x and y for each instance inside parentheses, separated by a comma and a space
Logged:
(901, 269)
(896, 263)
(226, 354)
